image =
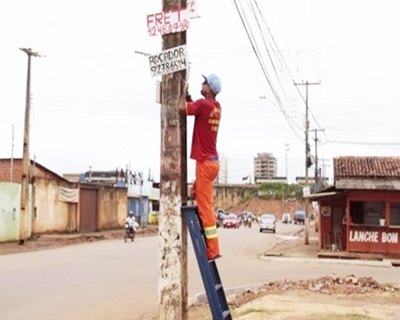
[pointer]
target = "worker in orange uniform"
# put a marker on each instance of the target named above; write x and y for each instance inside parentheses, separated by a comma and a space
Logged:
(207, 113)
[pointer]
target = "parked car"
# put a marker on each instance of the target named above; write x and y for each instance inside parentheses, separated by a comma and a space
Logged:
(231, 221)
(286, 218)
(299, 217)
(267, 222)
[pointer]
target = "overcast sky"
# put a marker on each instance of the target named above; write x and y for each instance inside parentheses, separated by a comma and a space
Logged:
(93, 98)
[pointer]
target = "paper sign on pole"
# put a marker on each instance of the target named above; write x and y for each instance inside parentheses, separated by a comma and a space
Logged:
(168, 22)
(168, 61)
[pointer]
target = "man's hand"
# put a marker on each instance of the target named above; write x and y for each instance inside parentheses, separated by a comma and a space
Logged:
(184, 85)
(185, 97)
(185, 91)
(194, 191)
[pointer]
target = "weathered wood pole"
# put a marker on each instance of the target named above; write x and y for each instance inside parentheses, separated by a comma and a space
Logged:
(172, 285)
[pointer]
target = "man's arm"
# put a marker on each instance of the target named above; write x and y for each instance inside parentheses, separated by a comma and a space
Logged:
(183, 104)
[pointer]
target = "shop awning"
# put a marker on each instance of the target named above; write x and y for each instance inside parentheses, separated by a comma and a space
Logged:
(322, 195)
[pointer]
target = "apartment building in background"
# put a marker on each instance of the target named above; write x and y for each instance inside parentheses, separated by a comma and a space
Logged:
(223, 170)
(265, 167)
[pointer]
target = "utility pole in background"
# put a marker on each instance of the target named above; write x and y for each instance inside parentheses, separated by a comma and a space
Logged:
(12, 156)
(324, 165)
(173, 274)
(25, 178)
(307, 161)
(316, 169)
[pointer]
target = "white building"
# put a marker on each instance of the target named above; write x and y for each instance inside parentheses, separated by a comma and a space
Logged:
(265, 166)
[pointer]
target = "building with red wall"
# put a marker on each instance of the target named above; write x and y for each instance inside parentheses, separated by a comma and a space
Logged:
(361, 212)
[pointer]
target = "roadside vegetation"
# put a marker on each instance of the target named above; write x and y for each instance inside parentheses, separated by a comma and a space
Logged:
(280, 191)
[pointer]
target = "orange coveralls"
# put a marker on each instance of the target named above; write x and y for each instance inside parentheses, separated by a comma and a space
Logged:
(206, 172)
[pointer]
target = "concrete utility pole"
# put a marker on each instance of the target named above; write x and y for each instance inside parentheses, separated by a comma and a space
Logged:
(173, 274)
(12, 156)
(316, 171)
(25, 179)
(307, 151)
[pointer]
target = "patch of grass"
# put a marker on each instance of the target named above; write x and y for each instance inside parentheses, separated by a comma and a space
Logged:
(332, 316)
(266, 312)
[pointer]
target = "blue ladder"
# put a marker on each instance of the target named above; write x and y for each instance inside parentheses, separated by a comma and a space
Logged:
(208, 268)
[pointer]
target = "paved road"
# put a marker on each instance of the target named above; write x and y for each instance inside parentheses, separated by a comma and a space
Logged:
(116, 280)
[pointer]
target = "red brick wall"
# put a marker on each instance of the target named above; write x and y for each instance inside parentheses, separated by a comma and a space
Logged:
(37, 171)
(5, 165)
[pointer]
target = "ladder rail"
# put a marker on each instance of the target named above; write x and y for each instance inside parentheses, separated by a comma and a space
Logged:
(208, 268)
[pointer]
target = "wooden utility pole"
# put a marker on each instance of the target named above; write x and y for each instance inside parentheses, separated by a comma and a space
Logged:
(307, 154)
(173, 274)
(25, 178)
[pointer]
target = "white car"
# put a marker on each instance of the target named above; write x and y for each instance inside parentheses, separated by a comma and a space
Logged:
(267, 222)
(286, 218)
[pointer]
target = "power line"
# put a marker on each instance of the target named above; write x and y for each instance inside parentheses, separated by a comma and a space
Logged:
(308, 37)
(256, 51)
(365, 143)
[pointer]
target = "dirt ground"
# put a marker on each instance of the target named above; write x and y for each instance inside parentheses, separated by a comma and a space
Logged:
(276, 207)
(329, 297)
(311, 306)
(326, 298)
(49, 241)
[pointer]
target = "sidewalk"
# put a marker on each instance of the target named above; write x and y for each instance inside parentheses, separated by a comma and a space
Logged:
(294, 247)
(55, 240)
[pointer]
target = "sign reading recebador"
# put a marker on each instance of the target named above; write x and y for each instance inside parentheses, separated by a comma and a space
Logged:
(168, 61)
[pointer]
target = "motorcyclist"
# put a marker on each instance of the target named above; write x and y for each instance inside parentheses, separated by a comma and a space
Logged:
(131, 223)
(248, 219)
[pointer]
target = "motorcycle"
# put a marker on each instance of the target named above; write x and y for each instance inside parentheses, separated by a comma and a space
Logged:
(130, 233)
(249, 222)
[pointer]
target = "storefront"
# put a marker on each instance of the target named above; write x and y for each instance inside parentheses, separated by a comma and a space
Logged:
(360, 221)
(373, 222)
(361, 214)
